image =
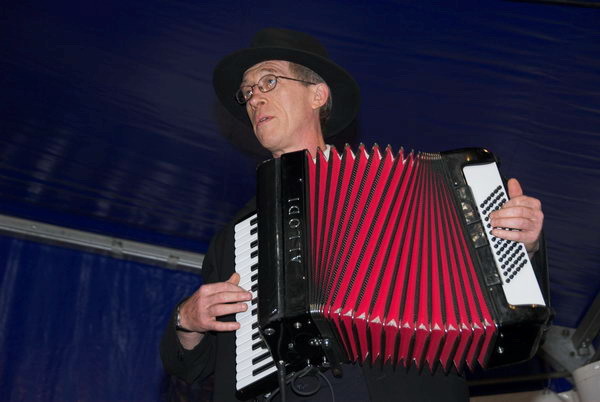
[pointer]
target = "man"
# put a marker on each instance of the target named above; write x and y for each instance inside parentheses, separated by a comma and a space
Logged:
(290, 92)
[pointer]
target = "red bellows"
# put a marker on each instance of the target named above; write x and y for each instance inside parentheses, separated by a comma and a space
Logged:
(391, 269)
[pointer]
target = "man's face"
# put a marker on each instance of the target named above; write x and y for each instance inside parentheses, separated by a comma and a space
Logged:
(285, 117)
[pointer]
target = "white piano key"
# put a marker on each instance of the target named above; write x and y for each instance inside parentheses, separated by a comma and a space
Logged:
(246, 245)
(246, 281)
(246, 332)
(247, 363)
(251, 379)
(248, 347)
(246, 261)
(245, 224)
(249, 373)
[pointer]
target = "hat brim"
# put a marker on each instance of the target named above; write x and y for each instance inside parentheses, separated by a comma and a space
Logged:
(344, 89)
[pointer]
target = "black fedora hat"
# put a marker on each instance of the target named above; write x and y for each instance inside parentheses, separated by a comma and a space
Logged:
(297, 47)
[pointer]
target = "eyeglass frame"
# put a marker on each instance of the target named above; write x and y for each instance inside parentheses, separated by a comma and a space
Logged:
(277, 77)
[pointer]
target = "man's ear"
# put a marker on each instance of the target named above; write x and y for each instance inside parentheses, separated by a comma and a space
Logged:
(320, 95)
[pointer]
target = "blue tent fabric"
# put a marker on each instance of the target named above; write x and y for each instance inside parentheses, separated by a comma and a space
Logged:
(78, 326)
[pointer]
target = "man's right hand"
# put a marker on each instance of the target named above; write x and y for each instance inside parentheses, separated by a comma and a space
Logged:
(199, 313)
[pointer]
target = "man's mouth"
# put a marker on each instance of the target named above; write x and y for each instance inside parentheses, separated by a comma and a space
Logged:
(263, 119)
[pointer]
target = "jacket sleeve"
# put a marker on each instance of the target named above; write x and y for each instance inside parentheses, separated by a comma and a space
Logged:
(198, 363)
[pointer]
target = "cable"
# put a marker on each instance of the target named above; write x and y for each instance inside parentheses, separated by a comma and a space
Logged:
(281, 379)
(328, 384)
(308, 371)
(305, 372)
(282, 382)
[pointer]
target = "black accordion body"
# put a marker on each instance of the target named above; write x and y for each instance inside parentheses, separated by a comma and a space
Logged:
(381, 258)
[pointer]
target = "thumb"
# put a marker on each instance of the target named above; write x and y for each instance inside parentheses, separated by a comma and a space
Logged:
(514, 188)
(234, 279)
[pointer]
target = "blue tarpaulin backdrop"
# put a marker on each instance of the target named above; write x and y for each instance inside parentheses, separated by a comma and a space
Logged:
(108, 123)
(78, 326)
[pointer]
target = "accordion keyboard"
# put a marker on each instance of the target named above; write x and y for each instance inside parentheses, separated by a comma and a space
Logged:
(253, 360)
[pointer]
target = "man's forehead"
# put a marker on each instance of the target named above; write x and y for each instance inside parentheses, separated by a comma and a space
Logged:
(268, 66)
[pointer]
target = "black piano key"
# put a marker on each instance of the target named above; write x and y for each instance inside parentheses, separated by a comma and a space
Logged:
(254, 221)
(254, 244)
(254, 254)
(260, 344)
(254, 278)
(254, 288)
(254, 267)
(262, 357)
(253, 231)
(263, 368)
(255, 311)
(254, 301)
(255, 325)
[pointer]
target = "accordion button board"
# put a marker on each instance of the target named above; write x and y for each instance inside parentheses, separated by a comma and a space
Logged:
(511, 257)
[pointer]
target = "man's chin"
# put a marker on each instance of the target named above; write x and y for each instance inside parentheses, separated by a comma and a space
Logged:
(266, 136)
(270, 144)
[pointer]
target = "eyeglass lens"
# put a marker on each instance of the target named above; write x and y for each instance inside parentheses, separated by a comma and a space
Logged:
(265, 84)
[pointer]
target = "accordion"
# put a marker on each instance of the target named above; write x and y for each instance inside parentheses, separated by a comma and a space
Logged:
(375, 258)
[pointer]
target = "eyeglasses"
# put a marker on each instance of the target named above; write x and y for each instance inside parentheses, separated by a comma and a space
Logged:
(265, 84)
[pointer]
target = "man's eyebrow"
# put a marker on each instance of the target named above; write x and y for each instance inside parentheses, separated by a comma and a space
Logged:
(262, 70)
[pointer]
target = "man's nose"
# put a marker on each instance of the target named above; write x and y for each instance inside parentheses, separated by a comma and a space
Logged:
(258, 98)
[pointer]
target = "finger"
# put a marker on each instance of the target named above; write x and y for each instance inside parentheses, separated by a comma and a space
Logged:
(523, 206)
(514, 188)
(219, 310)
(229, 297)
(498, 217)
(221, 326)
(524, 201)
(213, 288)
(524, 237)
(518, 223)
(234, 279)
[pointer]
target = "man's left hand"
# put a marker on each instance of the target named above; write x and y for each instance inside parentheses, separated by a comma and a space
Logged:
(522, 213)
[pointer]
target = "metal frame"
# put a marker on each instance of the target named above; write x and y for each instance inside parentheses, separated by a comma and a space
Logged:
(570, 348)
(91, 242)
(589, 328)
